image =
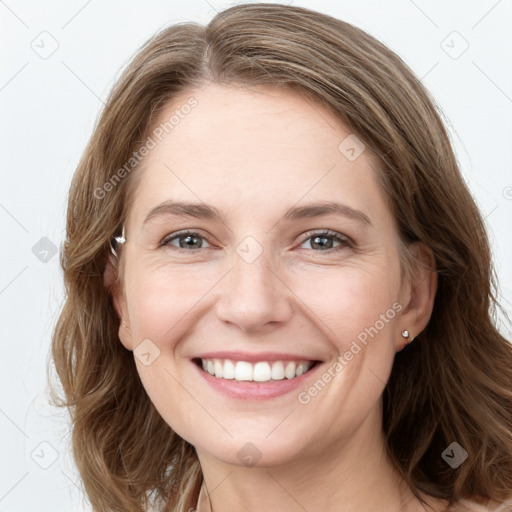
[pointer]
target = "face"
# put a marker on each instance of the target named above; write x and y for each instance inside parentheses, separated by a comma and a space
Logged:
(271, 282)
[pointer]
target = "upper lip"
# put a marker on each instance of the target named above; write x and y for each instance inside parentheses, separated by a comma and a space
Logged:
(255, 357)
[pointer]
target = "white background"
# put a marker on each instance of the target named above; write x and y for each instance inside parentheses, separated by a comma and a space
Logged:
(48, 108)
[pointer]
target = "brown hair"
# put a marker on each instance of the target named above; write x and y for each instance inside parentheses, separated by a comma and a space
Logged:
(453, 383)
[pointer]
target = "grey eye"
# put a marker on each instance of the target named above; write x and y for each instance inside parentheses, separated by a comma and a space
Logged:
(186, 240)
(324, 241)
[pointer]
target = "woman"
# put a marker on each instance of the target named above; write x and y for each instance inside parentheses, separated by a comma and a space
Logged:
(279, 288)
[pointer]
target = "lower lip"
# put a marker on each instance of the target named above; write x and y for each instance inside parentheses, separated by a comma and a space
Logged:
(250, 390)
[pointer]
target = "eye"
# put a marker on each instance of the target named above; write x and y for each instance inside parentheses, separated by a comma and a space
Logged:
(187, 240)
(325, 239)
(321, 241)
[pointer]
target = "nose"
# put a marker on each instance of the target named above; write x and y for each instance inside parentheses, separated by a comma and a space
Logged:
(254, 296)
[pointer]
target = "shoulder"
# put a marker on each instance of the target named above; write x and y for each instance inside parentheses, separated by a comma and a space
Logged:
(482, 506)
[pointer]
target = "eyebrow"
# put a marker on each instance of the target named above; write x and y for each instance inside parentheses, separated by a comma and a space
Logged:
(208, 212)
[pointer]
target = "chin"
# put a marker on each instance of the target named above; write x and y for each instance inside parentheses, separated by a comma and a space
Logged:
(254, 451)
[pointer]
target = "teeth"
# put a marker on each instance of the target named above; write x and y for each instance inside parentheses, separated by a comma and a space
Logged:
(243, 371)
(217, 366)
(261, 371)
(289, 371)
(277, 371)
(228, 371)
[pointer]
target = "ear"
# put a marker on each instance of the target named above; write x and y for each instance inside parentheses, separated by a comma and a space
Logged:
(418, 293)
(114, 286)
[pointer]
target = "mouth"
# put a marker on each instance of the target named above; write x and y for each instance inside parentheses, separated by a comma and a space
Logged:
(260, 371)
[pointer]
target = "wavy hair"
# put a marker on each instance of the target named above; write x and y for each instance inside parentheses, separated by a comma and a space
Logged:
(453, 383)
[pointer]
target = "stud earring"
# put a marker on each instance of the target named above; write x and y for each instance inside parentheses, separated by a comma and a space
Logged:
(116, 241)
(407, 335)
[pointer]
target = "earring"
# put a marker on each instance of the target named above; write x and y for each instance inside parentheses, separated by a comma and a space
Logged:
(406, 334)
(116, 241)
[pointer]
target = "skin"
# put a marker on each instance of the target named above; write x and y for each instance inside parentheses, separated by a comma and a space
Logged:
(253, 153)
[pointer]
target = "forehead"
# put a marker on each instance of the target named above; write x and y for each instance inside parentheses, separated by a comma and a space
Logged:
(253, 149)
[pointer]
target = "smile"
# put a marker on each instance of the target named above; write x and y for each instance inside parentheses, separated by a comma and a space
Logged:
(261, 371)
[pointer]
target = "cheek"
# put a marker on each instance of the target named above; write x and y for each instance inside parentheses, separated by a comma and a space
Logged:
(351, 300)
(162, 302)
(357, 310)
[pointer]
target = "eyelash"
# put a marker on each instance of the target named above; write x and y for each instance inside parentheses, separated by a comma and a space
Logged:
(344, 240)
